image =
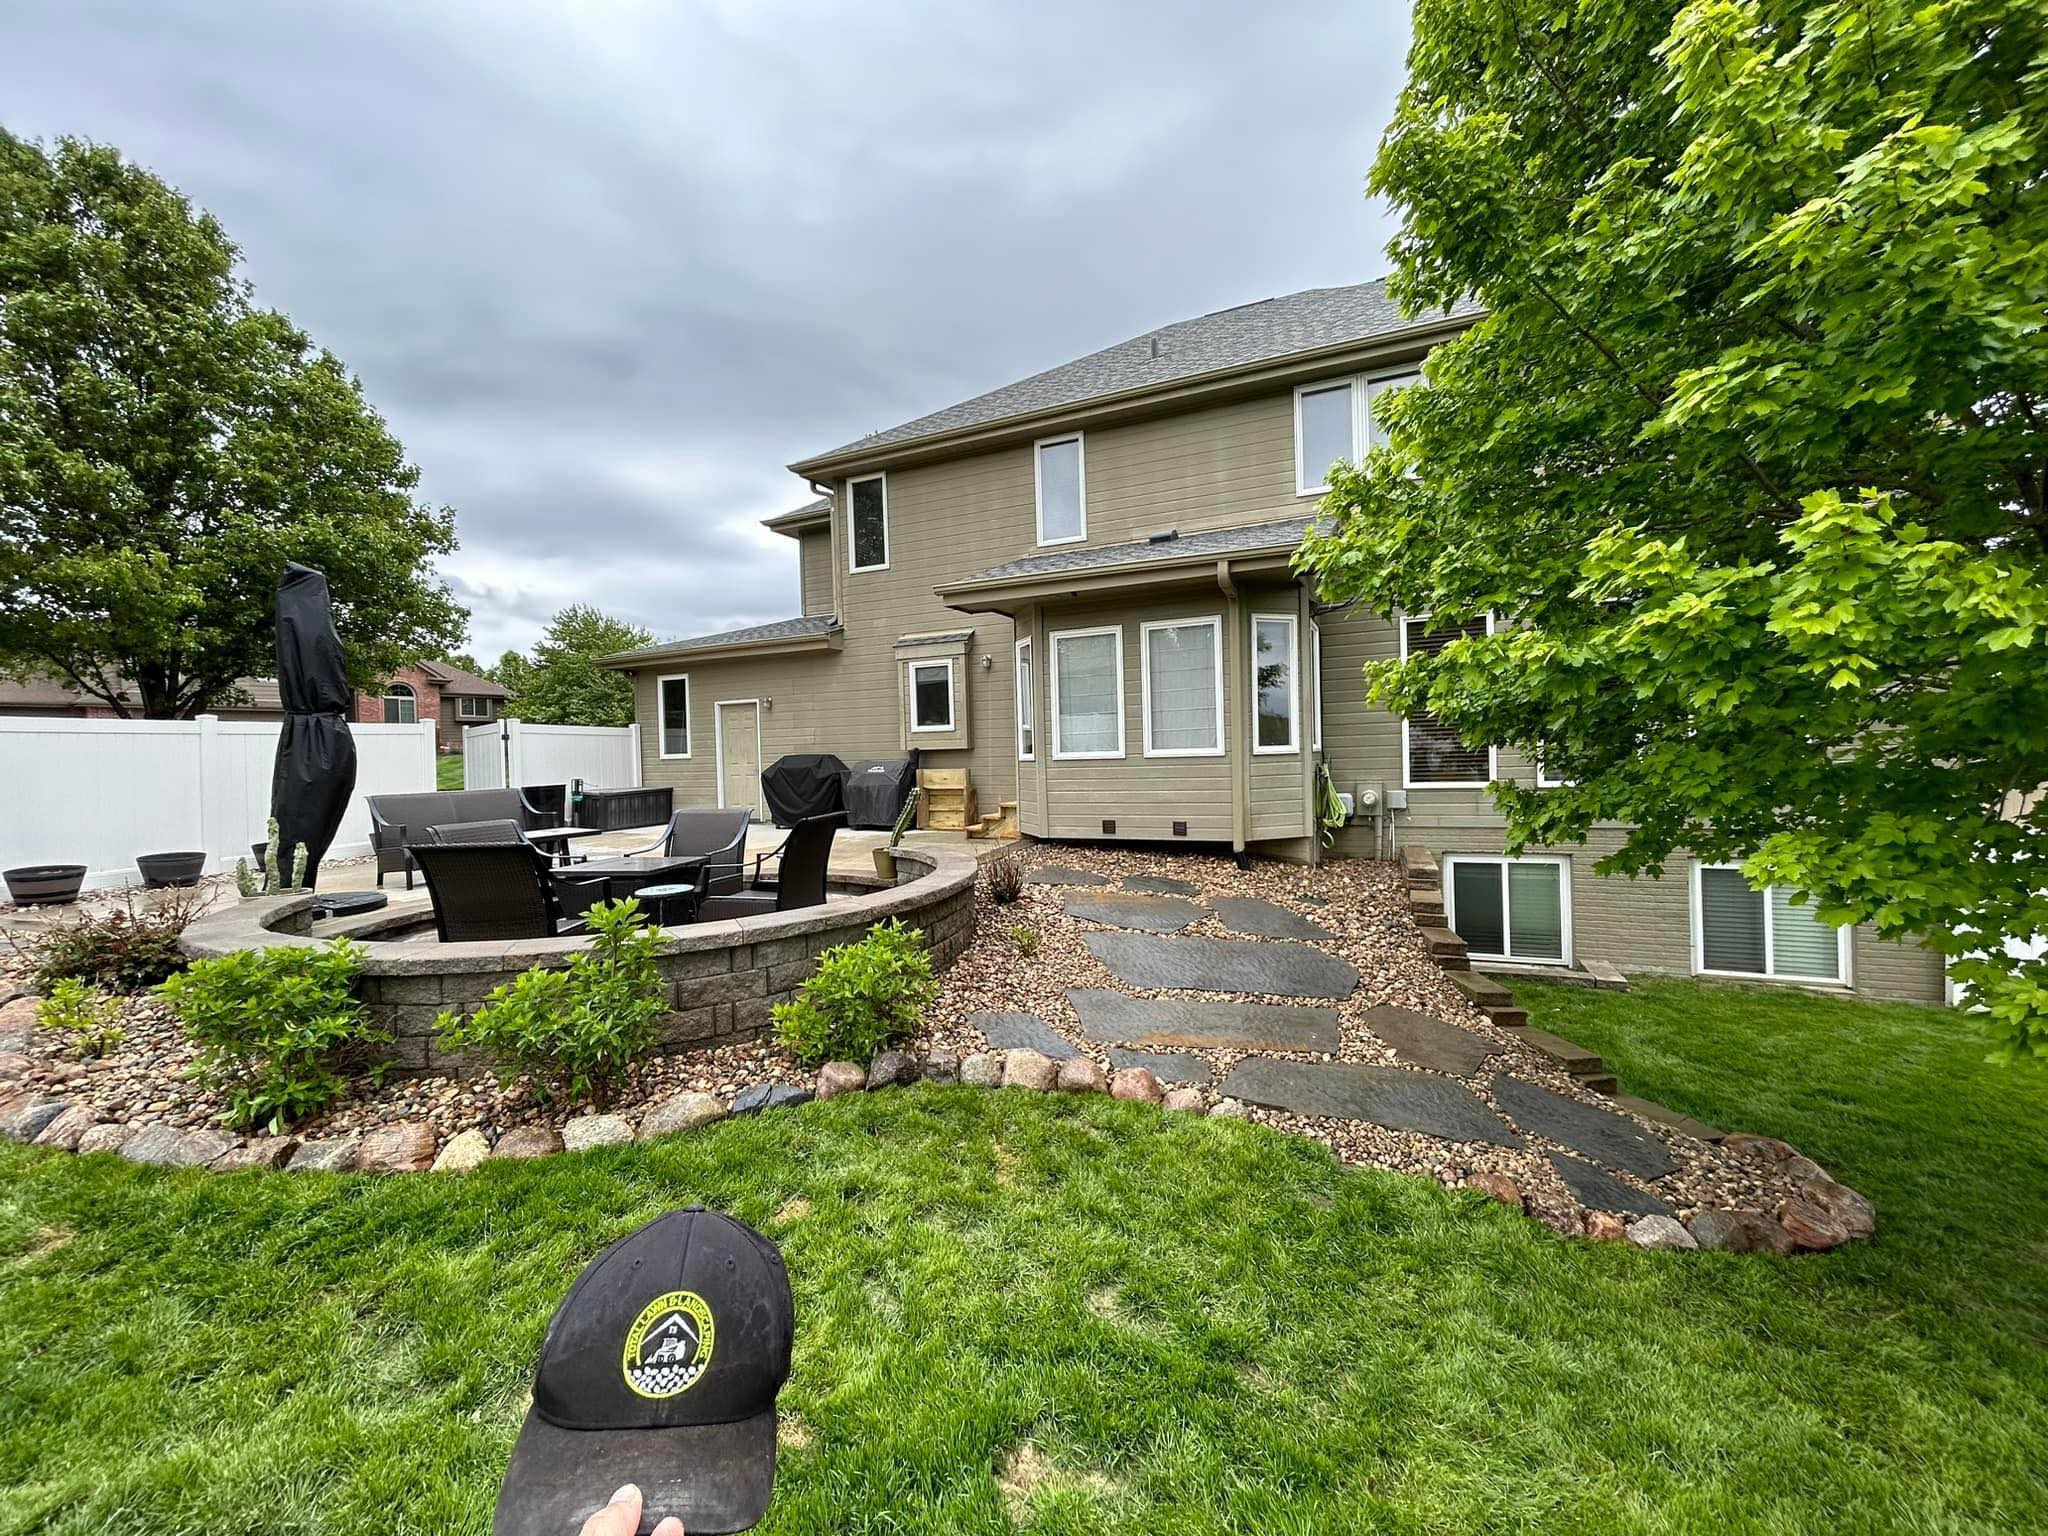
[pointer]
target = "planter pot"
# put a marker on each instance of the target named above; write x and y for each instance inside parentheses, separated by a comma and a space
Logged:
(162, 869)
(35, 885)
(885, 863)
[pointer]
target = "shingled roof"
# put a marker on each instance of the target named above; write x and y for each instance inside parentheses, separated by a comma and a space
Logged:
(815, 627)
(1230, 338)
(1283, 534)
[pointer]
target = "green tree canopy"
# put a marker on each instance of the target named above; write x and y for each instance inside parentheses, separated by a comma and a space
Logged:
(166, 446)
(562, 683)
(1749, 452)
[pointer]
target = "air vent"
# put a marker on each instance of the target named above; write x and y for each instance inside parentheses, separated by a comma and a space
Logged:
(1180, 829)
(1109, 829)
(1163, 536)
(1155, 346)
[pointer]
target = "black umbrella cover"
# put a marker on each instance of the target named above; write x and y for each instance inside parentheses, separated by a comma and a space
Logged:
(316, 756)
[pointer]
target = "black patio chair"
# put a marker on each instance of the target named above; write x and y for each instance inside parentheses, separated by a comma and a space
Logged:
(721, 836)
(503, 831)
(799, 879)
(495, 890)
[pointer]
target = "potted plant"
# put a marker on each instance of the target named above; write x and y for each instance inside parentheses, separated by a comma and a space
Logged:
(885, 857)
(162, 869)
(35, 885)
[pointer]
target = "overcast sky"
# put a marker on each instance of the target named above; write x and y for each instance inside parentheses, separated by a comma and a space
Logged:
(606, 267)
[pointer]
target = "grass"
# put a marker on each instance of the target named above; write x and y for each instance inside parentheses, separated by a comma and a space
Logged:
(1071, 1315)
(448, 771)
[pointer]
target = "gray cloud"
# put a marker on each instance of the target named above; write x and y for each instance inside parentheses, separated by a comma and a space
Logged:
(607, 266)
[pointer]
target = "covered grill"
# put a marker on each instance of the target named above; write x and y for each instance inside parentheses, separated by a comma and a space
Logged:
(804, 784)
(876, 788)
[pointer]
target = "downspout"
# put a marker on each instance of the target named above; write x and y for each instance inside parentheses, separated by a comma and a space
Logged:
(832, 542)
(1235, 674)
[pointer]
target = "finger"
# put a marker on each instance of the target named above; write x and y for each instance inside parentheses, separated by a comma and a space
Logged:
(669, 1527)
(621, 1517)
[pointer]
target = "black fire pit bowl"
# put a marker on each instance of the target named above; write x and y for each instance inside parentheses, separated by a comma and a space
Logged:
(162, 869)
(40, 885)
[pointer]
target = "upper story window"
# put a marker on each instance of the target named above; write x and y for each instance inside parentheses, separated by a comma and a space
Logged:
(1433, 755)
(1062, 493)
(401, 706)
(672, 707)
(1088, 693)
(473, 707)
(1276, 712)
(867, 520)
(1027, 704)
(1334, 423)
(931, 695)
(1183, 687)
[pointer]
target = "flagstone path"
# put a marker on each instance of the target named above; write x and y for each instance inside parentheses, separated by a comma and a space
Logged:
(1161, 885)
(1061, 874)
(1390, 1096)
(1158, 1023)
(1170, 1067)
(1151, 914)
(1601, 1191)
(1224, 965)
(1024, 1032)
(1429, 1042)
(1265, 919)
(1610, 1139)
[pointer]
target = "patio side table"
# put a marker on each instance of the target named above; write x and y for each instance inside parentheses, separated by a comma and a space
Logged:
(663, 901)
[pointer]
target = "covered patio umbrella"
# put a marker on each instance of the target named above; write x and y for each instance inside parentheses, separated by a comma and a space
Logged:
(316, 756)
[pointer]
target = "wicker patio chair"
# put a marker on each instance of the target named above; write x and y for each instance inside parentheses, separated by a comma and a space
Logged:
(498, 890)
(799, 879)
(502, 831)
(721, 836)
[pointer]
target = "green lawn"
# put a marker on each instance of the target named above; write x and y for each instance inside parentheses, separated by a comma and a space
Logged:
(448, 771)
(1199, 1326)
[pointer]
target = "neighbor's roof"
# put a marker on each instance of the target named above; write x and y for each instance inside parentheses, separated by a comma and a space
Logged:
(815, 627)
(43, 692)
(1264, 332)
(454, 680)
(1284, 534)
(805, 516)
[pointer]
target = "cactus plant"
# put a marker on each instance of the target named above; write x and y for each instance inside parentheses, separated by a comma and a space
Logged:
(299, 862)
(272, 882)
(245, 880)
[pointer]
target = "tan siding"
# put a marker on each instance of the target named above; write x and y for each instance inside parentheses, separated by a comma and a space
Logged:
(816, 566)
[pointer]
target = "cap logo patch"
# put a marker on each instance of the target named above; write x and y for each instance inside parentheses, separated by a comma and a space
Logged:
(669, 1345)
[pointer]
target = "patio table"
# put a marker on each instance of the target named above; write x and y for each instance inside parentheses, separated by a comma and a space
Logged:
(624, 877)
(556, 840)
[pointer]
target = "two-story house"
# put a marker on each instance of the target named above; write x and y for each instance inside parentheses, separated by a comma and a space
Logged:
(1078, 587)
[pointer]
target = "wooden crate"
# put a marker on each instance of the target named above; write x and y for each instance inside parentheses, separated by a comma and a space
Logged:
(947, 802)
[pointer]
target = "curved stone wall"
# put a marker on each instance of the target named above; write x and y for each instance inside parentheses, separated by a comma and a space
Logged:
(722, 978)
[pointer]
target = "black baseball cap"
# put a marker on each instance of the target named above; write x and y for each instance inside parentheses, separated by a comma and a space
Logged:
(660, 1368)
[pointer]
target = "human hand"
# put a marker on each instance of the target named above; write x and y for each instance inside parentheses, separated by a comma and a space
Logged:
(621, 1517)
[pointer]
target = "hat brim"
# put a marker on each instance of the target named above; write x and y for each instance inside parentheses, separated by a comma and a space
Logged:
(715, 1478)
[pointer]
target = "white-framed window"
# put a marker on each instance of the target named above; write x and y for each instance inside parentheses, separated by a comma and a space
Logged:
(1181, 687)
(1276, 705)
(1738, 931)
(672, 713)
(1027, 704)
(1062, 490)
(867, 523)
(931, 695)
(1315, 686)
(472, 706)
(1545, 779)
(1432, 754)
(1088, 693)
(1510, 909)
(1335, 422)
(401, 705)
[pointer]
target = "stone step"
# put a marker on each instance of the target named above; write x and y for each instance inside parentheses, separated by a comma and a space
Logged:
(1483, 991)
(1419, 869)
(1684, 1124)
(1606, 976)
(1271, 968)
(1426, 906)
(1508, 1016)
(1575, 1059)
(1444, 944)
(1599, 1082)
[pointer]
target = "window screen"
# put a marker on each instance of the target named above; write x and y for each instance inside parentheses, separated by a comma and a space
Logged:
(1731, 923)
(1184, 713)
(1090, 714)
(1273, 682)
(1061, 515)
(675, 717)
(870, 520)
(1323, 433)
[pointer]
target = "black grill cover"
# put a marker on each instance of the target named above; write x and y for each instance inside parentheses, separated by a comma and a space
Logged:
(803, 785)
(876, 788)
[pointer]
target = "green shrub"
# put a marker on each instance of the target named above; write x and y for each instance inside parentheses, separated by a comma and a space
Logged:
(127, 950)
(272, 1026)
(1024, 938)
(862, 998)
(574, 1031)
(87, 1020)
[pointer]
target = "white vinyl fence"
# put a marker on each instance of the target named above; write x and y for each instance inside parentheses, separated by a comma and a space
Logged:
(511, 752)
(101, 792)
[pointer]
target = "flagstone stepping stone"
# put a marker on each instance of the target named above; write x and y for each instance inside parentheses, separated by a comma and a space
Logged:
(1428, 1042)
(1392, 1097)
(1161, 885)
(1166, 1023)
(1223, 965)
(1060, 874)
(1023, 1032)
(1613, 1141)
(1167, 1066)
(1267, 919)
(1599, 1190)
(1153, 914)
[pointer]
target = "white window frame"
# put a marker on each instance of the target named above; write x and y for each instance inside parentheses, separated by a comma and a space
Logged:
(951, 714)
(1547, 780)
(1401, 623)
(1025, 676)
(1315, 679)
(396, 689)
(852, 543)
(463, 710)
(1844, 947)
(1564, 883)
(1364, 386)
(1116, 633)
(1293, 684)
(1215, 627)
(1080, 484)
(661, 717)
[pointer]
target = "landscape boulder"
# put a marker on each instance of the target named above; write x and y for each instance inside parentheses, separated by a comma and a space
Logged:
(201, 1149)
(892, 1069)
(103, 1138)
(770, 1096)
(1660, 1232)
(1030, 1069)
(261, 1152)
(586, 1131)
(465, 1153)
(404, 1148)
(1739, 1231)
(837, 1077)
(1497, 1186)
(982, 1069)
(684, 1112)
(1825, 1215)
(1080, 1075)
(66, 1129)
(1605, 1227)
(152, 1144)
(1231, 1109)
(527, 1141)
(333, 1156)
(1137, 1084)
(1762, 1150)
(1188, 1100)
(24, 1116)
(942, 1067)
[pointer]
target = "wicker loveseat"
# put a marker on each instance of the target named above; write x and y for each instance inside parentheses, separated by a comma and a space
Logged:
(399, 821)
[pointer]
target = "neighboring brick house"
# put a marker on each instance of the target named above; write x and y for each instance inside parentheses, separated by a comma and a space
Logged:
(450, 697)
(46, 698)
